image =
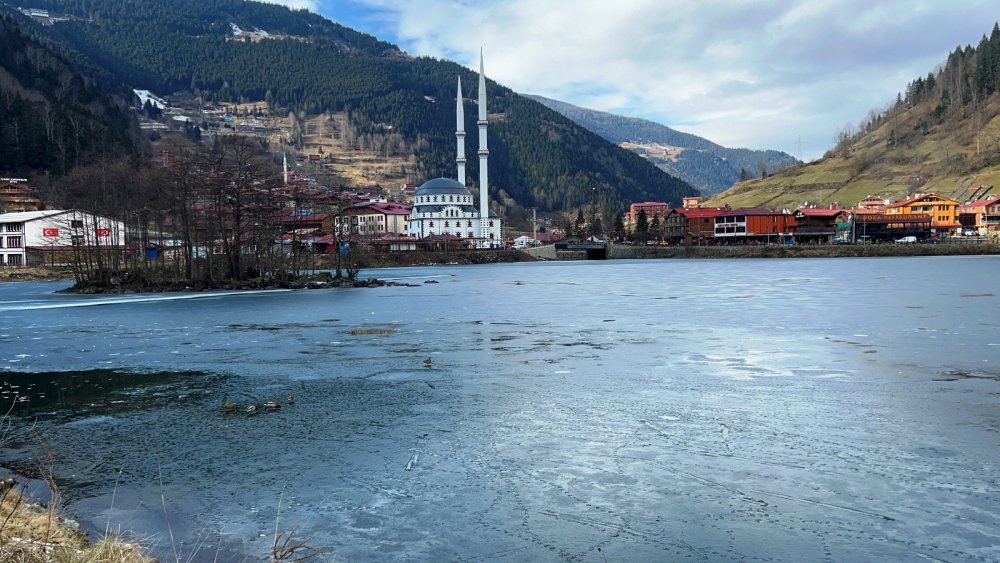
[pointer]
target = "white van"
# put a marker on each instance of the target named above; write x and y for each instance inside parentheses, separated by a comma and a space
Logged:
(906, 240)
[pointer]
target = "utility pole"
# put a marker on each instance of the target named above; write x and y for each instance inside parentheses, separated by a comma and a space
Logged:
(534, 223)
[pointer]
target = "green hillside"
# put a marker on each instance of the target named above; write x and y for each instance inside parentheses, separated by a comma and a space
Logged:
(311, 65)
(942, 135)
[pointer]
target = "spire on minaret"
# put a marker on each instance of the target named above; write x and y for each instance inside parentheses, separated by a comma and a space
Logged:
(285, 166)
(460, 133)
(484, 153)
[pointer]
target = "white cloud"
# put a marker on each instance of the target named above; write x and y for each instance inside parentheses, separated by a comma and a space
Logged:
(758, 74)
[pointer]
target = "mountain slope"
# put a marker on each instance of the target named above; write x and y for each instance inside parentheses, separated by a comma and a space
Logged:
(309, 64)
(51, 115)
(705, 165)
(942, 135)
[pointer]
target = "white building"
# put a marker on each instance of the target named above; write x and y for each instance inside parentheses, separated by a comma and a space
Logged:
(445, 207)
(371, 219)
(30, 238)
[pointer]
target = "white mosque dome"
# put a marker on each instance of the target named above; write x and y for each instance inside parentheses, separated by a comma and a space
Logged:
(442, 186)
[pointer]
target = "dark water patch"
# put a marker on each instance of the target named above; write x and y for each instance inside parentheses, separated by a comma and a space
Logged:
(372, 331)
(504, 338)
(99, 392)
(977, 295)
(255, 327)
(591, 345)
(959, 374)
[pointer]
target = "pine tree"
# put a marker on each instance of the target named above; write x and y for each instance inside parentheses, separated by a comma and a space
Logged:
(641, 233)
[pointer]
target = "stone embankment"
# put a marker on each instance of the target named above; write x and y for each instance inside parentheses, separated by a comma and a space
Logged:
(624, 252)
(801, 251)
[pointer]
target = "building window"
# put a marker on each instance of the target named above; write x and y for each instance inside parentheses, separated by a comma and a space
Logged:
(432, 223)
(446, 224)
(491, 224)
(13, 242)
(77, 240)
(12, 227)
(13, 259)
(470, 224)
(76, 224)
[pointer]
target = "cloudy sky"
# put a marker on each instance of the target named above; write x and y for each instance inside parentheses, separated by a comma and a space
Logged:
(779, 74)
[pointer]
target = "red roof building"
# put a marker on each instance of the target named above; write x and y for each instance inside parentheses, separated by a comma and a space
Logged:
(754, 224)
(652, 209)
(701, 223)
(982, 216)
(371, 219)
(942, 211)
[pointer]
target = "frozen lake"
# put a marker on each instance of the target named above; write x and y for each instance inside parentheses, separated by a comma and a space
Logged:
(660, 410)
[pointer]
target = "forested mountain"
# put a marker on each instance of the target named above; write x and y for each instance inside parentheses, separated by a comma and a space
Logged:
(705, 165)
(51, 116)
(311, 65)
(941, 135)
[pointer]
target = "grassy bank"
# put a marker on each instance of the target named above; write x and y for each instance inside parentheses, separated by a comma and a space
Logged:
(31, 533)
(34, 274)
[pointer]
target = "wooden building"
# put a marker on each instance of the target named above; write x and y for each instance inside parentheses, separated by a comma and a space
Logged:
(701, 224)
(821, 224)
(943, 211)
(16, 195)
(754, 225)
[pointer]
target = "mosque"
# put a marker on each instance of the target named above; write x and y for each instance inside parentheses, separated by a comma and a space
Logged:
(443, 206)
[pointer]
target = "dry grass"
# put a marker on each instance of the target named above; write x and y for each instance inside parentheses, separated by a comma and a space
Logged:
(111, 549)
(30, 533)
(33, 274)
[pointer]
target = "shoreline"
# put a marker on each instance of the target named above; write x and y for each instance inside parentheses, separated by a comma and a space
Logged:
(317, 279)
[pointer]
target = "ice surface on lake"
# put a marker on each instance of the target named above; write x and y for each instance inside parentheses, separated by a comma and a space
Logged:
(718, 410)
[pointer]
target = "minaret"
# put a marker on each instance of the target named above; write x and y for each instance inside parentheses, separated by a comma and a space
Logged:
(484, 153)
(285, 164)
(460, 133)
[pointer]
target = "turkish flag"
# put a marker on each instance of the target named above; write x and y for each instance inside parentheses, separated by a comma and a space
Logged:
(104, 232)
(50, 232)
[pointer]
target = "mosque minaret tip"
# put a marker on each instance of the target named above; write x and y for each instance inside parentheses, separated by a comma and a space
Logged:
(484, 153)
(460, 133)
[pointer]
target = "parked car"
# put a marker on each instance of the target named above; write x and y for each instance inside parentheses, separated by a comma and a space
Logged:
(906, 240)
